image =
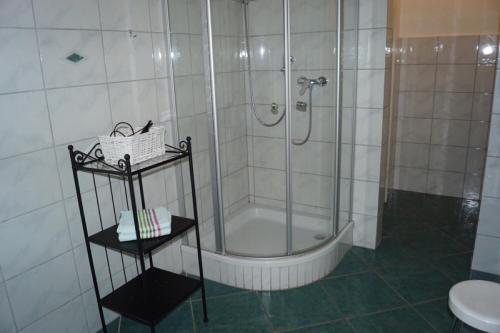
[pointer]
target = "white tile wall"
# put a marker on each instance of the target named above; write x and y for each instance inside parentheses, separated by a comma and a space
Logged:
(47, 102)
(486, 256)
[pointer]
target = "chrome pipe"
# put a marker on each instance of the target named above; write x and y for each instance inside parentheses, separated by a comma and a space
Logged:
(338, 123)
(288, 127)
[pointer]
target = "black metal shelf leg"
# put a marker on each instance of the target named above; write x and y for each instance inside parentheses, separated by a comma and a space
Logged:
(197, 230)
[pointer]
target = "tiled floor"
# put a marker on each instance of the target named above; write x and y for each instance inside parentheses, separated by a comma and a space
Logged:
(400, 287)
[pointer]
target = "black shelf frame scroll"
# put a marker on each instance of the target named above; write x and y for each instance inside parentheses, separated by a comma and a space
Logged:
(151, 295)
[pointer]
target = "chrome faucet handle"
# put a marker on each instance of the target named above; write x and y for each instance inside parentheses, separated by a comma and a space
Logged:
(322, 81)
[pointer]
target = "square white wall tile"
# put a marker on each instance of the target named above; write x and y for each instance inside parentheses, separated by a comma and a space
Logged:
(24, 178)
(262, 17)
(319, 152)
(178, 15)
(181, 54)
(367, 163)
(486, 255)
(372, 48)
(30, 129)
(494, 139)
(79, 113)
(45, 236)
(17, 14)
(323, 11)
(492, 177)
(365, 231)
(301, 46)
(371, 88)
(312, 190)
(269, 183)
(125, 15)
(19, 53)
(43, 289)
(57, 45)
(366, 197)
(488, 217)
(373, 13)
(128, 57)
(156, 15)
(369, 127)
(134, 102)
(160, 55)
(266, 52)
(74, 14)
(67, 318)
(7, 324)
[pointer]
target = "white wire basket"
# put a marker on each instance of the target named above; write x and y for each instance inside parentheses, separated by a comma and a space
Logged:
(140, 147)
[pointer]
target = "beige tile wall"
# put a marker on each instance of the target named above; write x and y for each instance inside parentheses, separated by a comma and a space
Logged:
(443, 102)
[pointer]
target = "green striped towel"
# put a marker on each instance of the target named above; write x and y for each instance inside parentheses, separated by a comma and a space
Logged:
(152, 223)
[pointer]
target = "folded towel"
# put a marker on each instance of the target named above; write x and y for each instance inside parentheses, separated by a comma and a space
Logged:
(124, 237)
(152, 223)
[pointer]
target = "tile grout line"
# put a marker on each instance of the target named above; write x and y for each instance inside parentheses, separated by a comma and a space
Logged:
(405, 300)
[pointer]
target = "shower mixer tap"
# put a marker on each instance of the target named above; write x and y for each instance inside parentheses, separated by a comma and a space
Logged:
(306, 83)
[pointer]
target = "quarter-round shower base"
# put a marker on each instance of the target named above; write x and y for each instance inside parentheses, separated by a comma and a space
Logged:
(260, 231)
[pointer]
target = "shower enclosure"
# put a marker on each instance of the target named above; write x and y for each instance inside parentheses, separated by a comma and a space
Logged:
(275, 140)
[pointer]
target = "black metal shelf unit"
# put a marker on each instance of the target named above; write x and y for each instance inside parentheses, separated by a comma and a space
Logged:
(153, 292)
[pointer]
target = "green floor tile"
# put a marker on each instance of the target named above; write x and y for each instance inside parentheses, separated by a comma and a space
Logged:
(361, 294)
(299, 307)
(336, 327)
(437, 313)
(232, 313)
(390, 252)
(456, 268)
(400, 320)
(181, 320)
(348, 265)
(432, 244)
(416, 282)
(215, 289)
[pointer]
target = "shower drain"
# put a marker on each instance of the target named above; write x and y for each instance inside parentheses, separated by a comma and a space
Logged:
(320, 236)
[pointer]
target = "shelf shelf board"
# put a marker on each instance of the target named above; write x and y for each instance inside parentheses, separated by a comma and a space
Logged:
(109, 237)
(149, 297)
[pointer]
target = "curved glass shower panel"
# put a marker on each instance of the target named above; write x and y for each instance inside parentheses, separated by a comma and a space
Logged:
(192, 115)
(248, 57)
(313, 28)
(348, 72)
(247, 63)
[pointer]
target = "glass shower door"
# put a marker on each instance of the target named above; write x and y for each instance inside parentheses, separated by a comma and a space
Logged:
(321, 136)
(249, 85)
